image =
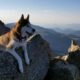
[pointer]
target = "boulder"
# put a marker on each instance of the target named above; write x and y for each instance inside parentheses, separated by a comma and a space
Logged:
(38, 50)
(62, 70)
(66, 67)
(74, 58)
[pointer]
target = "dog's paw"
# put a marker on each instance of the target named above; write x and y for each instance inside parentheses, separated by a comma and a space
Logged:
(21, 69)
(9, 46)
(27, 61)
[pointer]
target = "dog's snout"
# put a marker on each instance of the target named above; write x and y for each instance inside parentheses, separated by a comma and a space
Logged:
(33, 30)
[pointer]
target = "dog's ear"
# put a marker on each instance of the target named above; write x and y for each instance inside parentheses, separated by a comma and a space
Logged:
(21, 19)
(27, 19)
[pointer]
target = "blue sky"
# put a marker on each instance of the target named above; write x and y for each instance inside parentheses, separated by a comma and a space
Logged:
(42, 12)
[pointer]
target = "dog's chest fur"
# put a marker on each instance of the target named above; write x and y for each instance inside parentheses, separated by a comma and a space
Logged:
(11, 39)
(4, 39)
(16, 38)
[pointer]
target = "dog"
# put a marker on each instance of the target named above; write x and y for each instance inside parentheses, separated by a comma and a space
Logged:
(16, 37)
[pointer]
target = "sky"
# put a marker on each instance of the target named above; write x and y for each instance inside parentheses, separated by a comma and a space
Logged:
(42, 12)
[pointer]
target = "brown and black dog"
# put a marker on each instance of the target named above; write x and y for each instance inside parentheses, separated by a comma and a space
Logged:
(16, 37)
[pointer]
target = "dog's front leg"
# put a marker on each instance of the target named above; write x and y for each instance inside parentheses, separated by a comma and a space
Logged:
(26, 54)
(17, 57)
(10, 44)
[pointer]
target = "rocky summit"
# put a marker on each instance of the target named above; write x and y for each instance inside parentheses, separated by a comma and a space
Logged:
(62, 70)
(43, 64)
(38, 50)
(66, 67)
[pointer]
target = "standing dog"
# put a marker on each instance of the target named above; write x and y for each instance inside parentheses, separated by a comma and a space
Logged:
(16, 37)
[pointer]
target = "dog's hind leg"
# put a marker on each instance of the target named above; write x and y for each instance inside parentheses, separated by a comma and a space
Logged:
(26, 54)
(17, 57)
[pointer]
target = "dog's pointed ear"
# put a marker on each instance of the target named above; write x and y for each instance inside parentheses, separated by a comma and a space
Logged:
(21, 19)
(27, 19)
